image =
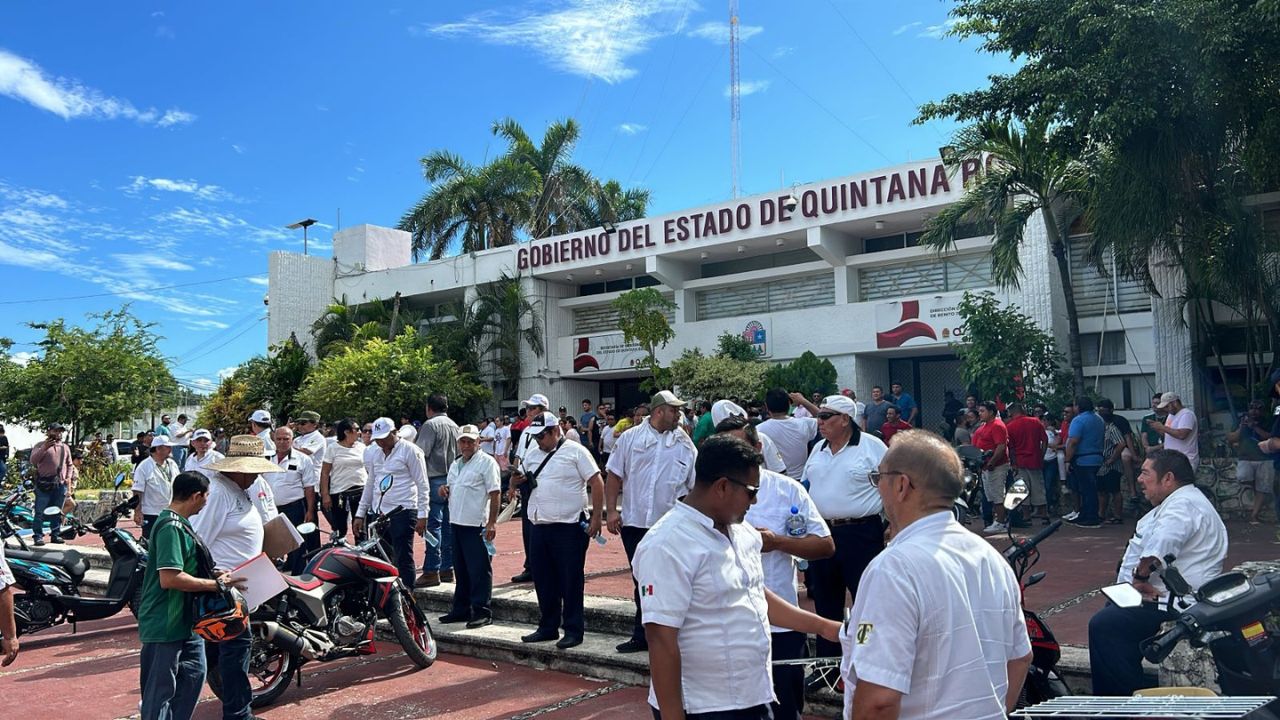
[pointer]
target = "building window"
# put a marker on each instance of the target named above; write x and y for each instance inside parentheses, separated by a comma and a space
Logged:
(919, 277)
(762, 297)
(1103, 293)
(1111, 352)
(603, 318)
(1128, 392)
(619, 285)
(758, 262)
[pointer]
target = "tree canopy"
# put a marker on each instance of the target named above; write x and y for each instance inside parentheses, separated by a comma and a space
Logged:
(1005, 355)
(642, 318)
(806, 374)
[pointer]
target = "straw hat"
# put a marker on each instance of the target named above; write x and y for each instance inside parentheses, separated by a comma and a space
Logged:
(245, 454)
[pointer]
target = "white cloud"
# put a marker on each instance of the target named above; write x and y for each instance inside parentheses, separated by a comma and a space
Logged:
(903, 28)
(191, 187)
(590, 38)
(632, 128)
(938, 31)
(782, 51)
(23, 357)
(227, 372)
(21, 79)
(749, 87)
(137, 262)
(718, 32)
(238, 148)
(206, 324)
(264, 282)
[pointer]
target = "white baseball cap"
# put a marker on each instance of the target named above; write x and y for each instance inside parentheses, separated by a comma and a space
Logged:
(382, 427)
(1167, 399)
(541, 423)
(840, 404)
(469, 431)
(202, 434)
(262, 417)
(723, 409)
(538, 399)
(161, 441)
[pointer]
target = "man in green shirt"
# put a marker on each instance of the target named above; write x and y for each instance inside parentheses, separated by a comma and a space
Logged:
(172, 662)
(1151, 439)
(706, 427)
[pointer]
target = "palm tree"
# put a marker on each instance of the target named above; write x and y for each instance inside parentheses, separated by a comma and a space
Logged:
(508, 320)
(1027, 174)
(344, 326)
(610, 203)
(560, 183)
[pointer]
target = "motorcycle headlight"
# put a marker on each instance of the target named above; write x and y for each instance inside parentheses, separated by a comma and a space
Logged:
(1219, 593)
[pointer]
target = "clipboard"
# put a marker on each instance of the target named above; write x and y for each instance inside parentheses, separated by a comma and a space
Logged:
(280, 537)
(262, 581)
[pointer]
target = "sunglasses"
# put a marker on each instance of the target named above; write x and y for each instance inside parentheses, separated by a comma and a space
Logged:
(752, 490)
(826, 415)
(875, 475)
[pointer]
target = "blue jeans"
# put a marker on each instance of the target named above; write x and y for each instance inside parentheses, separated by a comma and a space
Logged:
(53, 498)
(1085, 482)
(232, 660)
(171, 675)
(1051, 483)
(439, 557)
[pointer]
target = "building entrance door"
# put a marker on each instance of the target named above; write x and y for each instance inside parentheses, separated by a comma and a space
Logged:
(926, 379)
(624, 394)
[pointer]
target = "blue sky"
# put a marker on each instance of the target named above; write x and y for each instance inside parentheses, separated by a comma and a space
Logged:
(155, 151)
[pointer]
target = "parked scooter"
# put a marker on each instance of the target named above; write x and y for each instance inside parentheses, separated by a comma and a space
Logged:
(50, 580)
(16, 505)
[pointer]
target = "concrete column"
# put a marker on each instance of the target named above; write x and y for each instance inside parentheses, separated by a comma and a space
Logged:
(1175, 362)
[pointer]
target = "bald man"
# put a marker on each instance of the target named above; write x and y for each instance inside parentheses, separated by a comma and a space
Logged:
(936, 629)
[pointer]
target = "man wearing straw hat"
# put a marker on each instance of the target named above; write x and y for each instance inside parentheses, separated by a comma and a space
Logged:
(231, 526)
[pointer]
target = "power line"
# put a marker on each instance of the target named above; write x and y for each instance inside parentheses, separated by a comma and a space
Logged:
(251, 315)
(128, 292)
(711, 68)
(212, 350)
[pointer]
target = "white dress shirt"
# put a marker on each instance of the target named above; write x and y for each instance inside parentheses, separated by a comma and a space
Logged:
(470, 482)
(201, 465)
(778, 494)
(838, 483)
(561, 494)
(297, 473)
(154, 482)
(1185, 525)
(268, 444)
(792, 436)
(230, 524)
(656, 470)
(408, 471)
(181, 435)
(346, 467)
(937, 618)
(710, 588)
(315, 443)
(608, 439)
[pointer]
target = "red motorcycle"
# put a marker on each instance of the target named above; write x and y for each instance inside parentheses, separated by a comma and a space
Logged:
(330, 612)
(1043, 681)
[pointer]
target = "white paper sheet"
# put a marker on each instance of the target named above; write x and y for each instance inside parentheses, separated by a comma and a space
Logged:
(261, 580)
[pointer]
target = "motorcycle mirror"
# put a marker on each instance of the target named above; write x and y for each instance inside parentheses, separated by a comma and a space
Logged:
(1017, 493)
(385, 484)
(1123, 595)
(68, 534)
(119, 480)
(51, 511)
(306, 528)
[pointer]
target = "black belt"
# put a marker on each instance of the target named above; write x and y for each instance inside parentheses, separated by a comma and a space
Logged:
(852, 521)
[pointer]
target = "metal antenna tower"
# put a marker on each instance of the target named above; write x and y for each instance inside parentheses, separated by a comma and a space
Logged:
(735, 100)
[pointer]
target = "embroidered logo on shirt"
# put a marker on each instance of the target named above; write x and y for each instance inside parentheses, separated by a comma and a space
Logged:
(646, 591)
(864, 631)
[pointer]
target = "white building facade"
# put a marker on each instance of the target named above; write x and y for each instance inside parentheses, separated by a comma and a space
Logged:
(836, 272)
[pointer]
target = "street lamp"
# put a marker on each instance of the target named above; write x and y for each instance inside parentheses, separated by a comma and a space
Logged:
(304, 224)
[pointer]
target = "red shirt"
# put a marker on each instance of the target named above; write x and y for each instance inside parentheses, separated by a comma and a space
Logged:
(1026, 442)
(887, 430)
(989, 436)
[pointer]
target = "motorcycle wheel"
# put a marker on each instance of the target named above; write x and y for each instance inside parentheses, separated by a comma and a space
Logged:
(271, 669)
(414, 636)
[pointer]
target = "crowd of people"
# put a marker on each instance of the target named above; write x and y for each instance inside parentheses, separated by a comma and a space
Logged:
(717, 506)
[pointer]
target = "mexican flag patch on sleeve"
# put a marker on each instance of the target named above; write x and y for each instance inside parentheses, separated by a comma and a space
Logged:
(646, 590)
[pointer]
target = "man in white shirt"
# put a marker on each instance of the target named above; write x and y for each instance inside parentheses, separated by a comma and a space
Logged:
(204, 455)
(309, 440)
(153, 483)
(501, 441)
(790, 434)
(181, 439)
(654, 460)
(487, 436)
(783, 542)
(936, 631)
(294, 486)
(837, 476)
(260, 425)
(231, 525)
(533, 407)
(772, 456)
(1182, 523)
(1180, 428)
(472, 490)
(407, 432)
(564, 478)
(403, 461)
(706, 608)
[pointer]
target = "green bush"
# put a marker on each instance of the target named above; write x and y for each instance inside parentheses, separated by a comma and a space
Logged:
(103, 477)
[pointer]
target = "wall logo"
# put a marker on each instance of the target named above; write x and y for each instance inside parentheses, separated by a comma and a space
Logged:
(920, 321)
(597, 353)
(756, 334)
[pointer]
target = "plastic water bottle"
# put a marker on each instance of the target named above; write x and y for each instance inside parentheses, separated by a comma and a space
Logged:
(489, 548)
(431, 538)
(600, 539)
(797, 524)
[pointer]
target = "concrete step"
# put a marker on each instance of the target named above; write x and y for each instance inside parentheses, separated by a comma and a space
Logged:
(518, 603)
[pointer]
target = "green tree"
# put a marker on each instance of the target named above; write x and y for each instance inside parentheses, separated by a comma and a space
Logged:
(733, 345)
(642, 318)
(90, 378)
(717, 376)
(228, 407)
(806, 374)
(509, 321)
(343, 325)
(1027, 174)
(386, 379)
(1006, 355)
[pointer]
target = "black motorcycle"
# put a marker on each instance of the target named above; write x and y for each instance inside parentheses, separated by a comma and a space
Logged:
(969, 504)
(330, 612)
(51, 579)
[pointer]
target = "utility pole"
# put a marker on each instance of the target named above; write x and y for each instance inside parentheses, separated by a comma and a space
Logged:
(395, 315)
(735, 100)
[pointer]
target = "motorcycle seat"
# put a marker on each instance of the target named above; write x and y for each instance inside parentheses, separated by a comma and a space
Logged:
(70, 560)
(305, 581)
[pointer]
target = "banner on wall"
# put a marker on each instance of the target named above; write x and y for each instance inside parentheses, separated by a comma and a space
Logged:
(597, 353)
(918, 322)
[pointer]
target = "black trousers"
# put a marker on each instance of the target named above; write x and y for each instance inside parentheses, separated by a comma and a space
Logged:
(473, 573)
(525, 523)
(759, 712)
(558, 553)
(828, 580)
(296, 511)
(1115, 662)
(788, 680)
(631, 537)
(344, 505)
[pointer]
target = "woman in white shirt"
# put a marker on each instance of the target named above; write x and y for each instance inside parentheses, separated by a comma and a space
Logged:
(1053, 460)
(343, 476)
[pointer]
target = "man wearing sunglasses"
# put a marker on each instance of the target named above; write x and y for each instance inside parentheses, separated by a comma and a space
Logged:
(936, 629)
(701, 581)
